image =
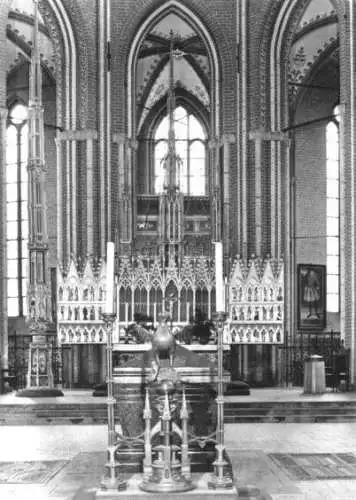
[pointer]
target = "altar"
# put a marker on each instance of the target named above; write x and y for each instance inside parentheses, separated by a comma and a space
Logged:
(196, 366)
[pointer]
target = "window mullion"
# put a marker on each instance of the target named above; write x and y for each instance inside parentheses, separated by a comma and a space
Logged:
(16, 215)
(333, 228)
(19, 221)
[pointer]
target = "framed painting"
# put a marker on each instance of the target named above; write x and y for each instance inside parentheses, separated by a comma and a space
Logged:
(311, 297)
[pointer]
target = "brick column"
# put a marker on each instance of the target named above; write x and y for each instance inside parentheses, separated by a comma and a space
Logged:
(4, 10)
(348, 182)
(3, 252)
(90, 197)
(63, 140)
(214, 146)
(352, 163)
(127, 149)
(258, 136)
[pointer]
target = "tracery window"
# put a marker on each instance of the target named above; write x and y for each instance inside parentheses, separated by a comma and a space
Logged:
(333, 213)
(17, 210)
(190, 147)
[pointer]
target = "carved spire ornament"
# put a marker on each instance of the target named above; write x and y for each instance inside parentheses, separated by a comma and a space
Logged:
(38, 290)
(171, 204)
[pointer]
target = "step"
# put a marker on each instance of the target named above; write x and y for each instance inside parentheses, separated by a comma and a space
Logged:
(234, 412)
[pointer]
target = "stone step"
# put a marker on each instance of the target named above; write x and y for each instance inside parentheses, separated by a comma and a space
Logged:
(289, 420)
(234, 412)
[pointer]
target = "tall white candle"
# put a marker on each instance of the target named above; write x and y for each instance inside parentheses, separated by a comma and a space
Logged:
(154, 313)
(219, 279)
(109, 304)
(188, 310)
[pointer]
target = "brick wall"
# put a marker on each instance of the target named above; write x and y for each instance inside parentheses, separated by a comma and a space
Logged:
(310, 172)
(219, 17)
(310, 182)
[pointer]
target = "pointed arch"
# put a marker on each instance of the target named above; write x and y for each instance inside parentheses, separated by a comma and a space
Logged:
(55, 15)
(173, 6)
(279, 34)
(71, 58)
(287, 17)
(277, 38)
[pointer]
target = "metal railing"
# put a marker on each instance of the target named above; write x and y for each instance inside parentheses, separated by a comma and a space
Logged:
(329, 345)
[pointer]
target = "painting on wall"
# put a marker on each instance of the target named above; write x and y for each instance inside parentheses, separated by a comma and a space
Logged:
(311, 297)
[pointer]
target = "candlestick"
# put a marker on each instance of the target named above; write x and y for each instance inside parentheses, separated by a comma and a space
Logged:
(112, 479)
(219, 280)
(109, 303)
(221, 478)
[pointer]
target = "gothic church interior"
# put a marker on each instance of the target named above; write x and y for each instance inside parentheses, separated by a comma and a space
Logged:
(177, 129)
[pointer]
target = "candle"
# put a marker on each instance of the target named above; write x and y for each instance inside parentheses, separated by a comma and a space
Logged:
(109, 304)
(219, 280)
(154, 313)
(188, 312)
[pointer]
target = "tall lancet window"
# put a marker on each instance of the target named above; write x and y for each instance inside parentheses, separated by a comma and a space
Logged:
(333, 213)
(190, 148)
(17, 210)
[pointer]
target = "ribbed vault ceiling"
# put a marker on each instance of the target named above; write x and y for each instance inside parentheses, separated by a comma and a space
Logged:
(19, 37)
(316, 42)
(191, 71)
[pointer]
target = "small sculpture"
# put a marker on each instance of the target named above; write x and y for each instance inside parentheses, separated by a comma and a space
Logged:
(162, 339)
(163, 343)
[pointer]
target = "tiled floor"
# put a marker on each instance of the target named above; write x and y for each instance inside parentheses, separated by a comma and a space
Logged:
(249, 446)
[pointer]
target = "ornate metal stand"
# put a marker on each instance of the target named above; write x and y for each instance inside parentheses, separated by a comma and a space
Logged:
(166, 473)
(111, 479)
(221, 477)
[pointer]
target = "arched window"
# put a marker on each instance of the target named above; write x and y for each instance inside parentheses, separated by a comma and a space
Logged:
(17, 210)
(333, 213)
(190, 147)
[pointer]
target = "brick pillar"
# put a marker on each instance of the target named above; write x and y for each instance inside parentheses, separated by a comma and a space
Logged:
(3, 253)
(348, 183)
(352, 163)
(4, 9)
(228, 139)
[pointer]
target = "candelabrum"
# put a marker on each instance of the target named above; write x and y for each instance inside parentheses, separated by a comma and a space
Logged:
(221, 478)
(166, 473)
(111, 479)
